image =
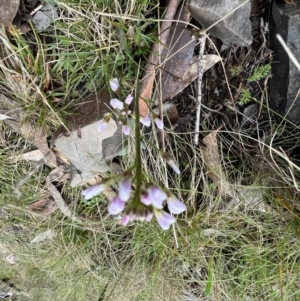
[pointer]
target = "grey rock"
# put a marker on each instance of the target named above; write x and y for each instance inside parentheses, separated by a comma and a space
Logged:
(234, 29)
(44, 17)
(250, 113)
(285, 81)
(90, 152)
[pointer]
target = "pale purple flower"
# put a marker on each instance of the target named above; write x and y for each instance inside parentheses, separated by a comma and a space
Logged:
(175, 206)
(116, 206)
(155, 196)
(145, 218)
(93, 190)
(145, 120)
(149, 217)
(129, 99)
(145, 199)
(128, 218)
(126, 129)
(164, 219)
(114, 84)
(117, 104)
(159, 123)
(125, 189)
(102, 126)
(174, 166)
(125, 220)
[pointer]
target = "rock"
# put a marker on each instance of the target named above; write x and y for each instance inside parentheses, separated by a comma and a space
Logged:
(285, 81)
(86, 148)
(90, 152)
(8, 11)
(45, 16)
(234, 29)
(250, 113)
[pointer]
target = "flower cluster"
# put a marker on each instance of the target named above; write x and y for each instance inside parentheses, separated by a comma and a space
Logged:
(149, 202)
(122, 110)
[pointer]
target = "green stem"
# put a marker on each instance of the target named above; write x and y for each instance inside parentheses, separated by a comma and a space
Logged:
(138, 159)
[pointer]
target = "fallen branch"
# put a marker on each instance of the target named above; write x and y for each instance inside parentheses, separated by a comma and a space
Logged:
(63, 207)
(149, 74)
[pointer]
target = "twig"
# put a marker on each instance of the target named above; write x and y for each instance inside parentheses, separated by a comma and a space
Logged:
(60, 202)
(288, 51)
(37, 9)
(201, 39)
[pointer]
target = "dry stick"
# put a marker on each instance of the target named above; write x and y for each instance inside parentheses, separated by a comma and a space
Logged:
(288, 51)
(147, 82)
(60, 202)
(201, 40)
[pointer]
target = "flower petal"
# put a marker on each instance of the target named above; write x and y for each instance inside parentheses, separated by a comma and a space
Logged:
(175, 206)
(124, 189)
(145, 120)
(145, 199)
(116, 206)
(164, 219)
(101, 127)
(117, 104)
(156, 196)
(159, 123)
(125, 220)
(174, 166)
(149, 217)
(126, 129)
(114, 84)
(93, 190)
(129, 99)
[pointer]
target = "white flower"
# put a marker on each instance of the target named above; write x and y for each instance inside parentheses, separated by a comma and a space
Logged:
(117, 104)
(126, 130)
(145, 120)
(129, 99)
(164, 219)
(114, 84)
(154, 196)
(102, 126)
(93, 190)
(116, 206)
(124, 189)
(175, 206)
(159, 123)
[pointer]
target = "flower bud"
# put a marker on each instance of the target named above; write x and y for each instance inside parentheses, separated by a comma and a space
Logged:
(170, 161)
